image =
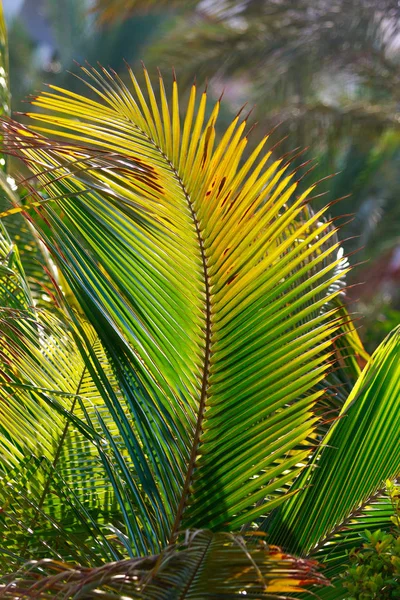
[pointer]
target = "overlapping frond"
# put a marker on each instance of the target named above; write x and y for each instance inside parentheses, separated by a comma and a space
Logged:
(204, 279)
(42, 517)
(359, 453)
(206, 565)
(39, 446)
(83, 480)
(375, 514)
(32, 254)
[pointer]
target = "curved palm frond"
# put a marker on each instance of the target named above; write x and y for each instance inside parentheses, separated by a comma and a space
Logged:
(204, 292)
(41, 453)
(206, 565)
(53, 424)
(375, 514)
(358, 454)
(42, 457)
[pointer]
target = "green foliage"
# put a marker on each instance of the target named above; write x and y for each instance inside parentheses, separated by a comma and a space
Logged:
(203, 565)
(375, 570)
(374, 573)
(177, 376)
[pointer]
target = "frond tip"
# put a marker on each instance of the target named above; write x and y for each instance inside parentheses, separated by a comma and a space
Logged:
(205, 565)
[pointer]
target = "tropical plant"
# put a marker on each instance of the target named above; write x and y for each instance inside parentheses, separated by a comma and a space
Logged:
(375, 569)
(181, 362)
(327, 71)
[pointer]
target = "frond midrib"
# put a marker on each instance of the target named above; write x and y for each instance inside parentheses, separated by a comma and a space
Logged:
(57, 455)
(207, 342)
(357, 512)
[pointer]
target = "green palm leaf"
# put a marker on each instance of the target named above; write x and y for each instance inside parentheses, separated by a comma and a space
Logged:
(375, 514)
(358, 454)
(207, 566)
(177, 372)
(205, 282)
(35, 437)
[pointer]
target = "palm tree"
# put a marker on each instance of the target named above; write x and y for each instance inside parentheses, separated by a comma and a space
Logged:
(172, 381)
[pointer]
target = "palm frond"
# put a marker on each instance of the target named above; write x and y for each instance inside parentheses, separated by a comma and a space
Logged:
(359, 453)
(205, 566)
(375, 514)
(38, 446)
(42, 517)
(204, 280)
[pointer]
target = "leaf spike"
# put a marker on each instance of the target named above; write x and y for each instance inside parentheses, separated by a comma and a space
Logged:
(143, 67)
(104, 70)
(249, 113)
(128, 66)
(33, 96)
(273, 129)
(246, 135)
(173, 74)
(221, 95)
(336, 200)
(351, 237)
(298, 167)
(331, 362)
(299, 153)
(289, 153)
(278, 143)
(333, 387)
(342, 334)
(350, 355)
(76, 76)
(309, 199)
(356, 299)
(326, 421)
(338, 217)
(114, 72)
(301, 166)
(339, 227)
(241, 110)
(309, 170)
(357, 264)
(327, 177)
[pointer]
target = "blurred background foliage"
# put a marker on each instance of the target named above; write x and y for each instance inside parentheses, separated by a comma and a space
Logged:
(326, 71)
